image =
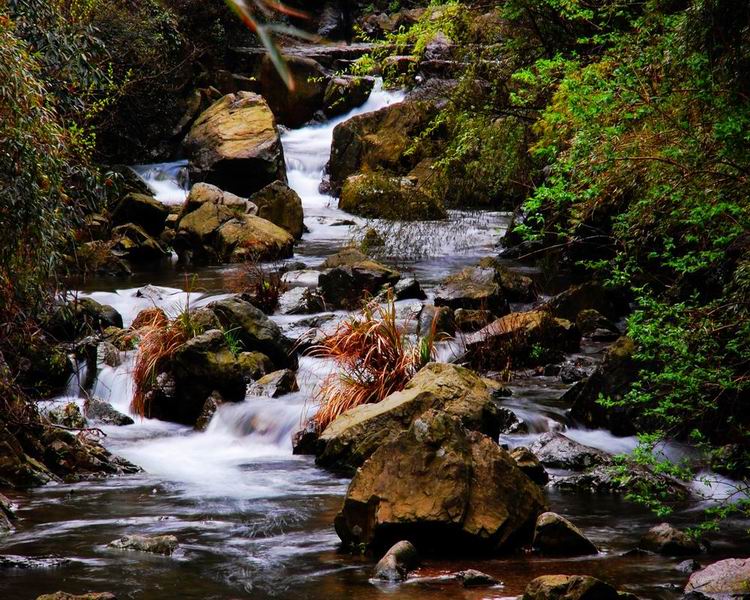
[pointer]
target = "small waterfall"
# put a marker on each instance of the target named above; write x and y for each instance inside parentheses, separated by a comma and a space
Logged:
(168, 181)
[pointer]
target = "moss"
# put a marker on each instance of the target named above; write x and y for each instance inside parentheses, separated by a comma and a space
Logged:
(379, 196)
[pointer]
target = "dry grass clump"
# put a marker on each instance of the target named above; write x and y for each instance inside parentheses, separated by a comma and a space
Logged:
(264, 286)
(374, 358)
(159, 338)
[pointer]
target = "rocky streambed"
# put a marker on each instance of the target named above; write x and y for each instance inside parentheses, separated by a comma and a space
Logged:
(232, 509)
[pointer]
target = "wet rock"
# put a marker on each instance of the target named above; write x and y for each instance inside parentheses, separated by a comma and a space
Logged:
(345, 93)
(294, 107)
(441, 317)
(721, 580)
(530, 464)
(473, 288)
(568, 304)
(611, 379)
(591, 323)
(82, 316)
(516, 287)
(100, 411)
(301, 301)
(201, 365)
(408, 289)
(351, 276)
(570, 373)
(275, 384)
(397, 562)
(7, 515)
(353, 437)
(441, 487)
(108, 355)
(67, 416)
(468, 320)
(555, 535)
(509, 422)
(472, 578)
(378, 196)
(142, 210)
(12, 561)
(86, 596)
(281, 205)
(607, 479)
(132, 243)
(377, 141)
(523, 339)
(255, 331)
(688, 566)
(305, 441)
(560, 452)
(254, 365)
(569, 587)
(235, 145)
(668, 540)
(155, 544)
(210, 406)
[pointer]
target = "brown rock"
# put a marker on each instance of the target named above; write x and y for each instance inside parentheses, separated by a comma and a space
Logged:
(569, 587)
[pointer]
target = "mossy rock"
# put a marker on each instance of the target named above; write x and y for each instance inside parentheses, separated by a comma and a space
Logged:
(379, 196)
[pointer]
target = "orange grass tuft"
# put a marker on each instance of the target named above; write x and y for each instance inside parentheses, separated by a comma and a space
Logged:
(374, 357)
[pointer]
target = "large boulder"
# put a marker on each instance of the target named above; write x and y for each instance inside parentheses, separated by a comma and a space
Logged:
(722, 580)
(378, 196)
(612, 379)
(293, 106)
(204, 193)
(522, 338)
(356, 434)
(472, 288)
(568, 304)
(201, 365)
(224, 231)
(254, 330)
(569, 587)
(444, 489)
(345, 93)
(377, 141)
(350, 276)
(235, 145)
(281, 205)
(516, 286)
(555, 535)
(142, 210)
(100, 411)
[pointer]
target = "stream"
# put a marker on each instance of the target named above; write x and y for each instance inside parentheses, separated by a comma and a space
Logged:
(255, 521)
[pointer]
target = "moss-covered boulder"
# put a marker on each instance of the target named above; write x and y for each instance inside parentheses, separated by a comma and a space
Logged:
(353, 437)
(235, 145)
(444, 489)
(378, 141)
(473, 288)
(375, 195)
(281, 205)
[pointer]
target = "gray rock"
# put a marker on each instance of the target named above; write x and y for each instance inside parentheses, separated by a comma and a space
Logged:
(397, 562)
(97, 409)
(722, 580)
(668, 540)
(108, 354)
(275, 384)
(557, 451)
(471, 578)
(155, 544)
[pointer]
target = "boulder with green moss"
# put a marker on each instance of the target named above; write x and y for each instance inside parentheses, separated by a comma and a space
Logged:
(375, 195)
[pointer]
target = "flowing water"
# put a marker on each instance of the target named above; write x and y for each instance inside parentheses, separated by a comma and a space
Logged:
(253, 520)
